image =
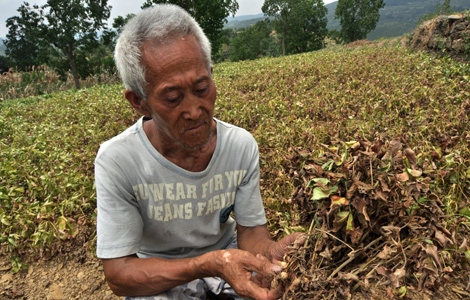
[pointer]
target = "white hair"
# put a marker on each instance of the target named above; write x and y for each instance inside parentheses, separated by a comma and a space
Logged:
(157, 24)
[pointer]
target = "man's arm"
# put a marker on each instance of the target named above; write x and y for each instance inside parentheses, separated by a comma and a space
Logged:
(257, 240)
(133, 276)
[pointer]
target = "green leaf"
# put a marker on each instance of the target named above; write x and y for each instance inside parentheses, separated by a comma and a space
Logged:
(12, 242)
(19, 190)
(342, 216)
(312, 182)
(319, 193)
(403, 291)
(328, 165)
(350, 224)
(422, 200)
(465, 212)
(450, 158)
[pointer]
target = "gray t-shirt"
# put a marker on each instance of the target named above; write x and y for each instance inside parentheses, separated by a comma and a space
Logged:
(151, 207)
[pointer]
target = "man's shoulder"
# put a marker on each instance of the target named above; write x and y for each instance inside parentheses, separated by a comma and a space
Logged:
(235, 139)
(234, 131)
(120, 141)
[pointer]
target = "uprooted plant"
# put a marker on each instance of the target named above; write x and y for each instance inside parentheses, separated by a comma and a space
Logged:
(375, 216)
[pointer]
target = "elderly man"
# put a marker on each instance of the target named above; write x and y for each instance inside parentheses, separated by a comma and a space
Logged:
(167, 185)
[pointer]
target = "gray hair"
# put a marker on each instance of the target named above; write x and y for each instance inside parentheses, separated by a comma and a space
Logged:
(157, 24)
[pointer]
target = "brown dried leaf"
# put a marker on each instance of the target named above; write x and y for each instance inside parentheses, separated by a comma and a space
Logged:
(363, 188)
(348, 277)
(383, 183)
(377, 147)
(443, 240)
(393, 148)
(386, 253)
(403, 177)
(351, 191)
(428, 264)
(390, 292)
(326, 254)
(383, 271)
(410, 154)
(463, 246)
(389, 230)
(397, 159)
(361, 206)
(431, 250)
(396, 276)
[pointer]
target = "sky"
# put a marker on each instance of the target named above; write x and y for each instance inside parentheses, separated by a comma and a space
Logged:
(8, 8)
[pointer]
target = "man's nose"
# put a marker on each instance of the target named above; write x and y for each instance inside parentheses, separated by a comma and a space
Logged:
(193, 109)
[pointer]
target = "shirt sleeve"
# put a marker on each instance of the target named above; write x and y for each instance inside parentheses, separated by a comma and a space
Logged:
(119, 223)
(248, 209)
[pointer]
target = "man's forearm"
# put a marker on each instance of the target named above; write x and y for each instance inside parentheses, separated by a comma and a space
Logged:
(256, 239)
(133, 276)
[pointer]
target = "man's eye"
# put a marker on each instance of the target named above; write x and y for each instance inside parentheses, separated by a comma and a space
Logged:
(173, 100)
(201, 91)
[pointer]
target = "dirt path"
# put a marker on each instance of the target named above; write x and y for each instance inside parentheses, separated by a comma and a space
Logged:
(58, 278)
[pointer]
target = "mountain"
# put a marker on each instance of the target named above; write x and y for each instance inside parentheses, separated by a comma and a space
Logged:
(243, 21)
(398, 17)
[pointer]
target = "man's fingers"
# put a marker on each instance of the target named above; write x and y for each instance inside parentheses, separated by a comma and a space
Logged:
(281, 247)
(297, 238)
(264, 267)
(255, 291)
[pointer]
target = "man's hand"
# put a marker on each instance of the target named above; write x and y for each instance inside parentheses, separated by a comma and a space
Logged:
(237, 267)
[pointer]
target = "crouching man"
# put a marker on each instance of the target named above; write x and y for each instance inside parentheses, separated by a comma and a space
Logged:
(166, 186)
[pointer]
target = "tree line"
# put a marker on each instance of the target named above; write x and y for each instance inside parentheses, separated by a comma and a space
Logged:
(72, 36)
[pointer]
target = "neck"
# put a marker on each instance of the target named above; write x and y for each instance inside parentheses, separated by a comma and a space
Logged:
(193, 159)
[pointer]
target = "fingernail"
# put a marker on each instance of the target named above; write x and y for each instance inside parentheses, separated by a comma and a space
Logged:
(276, 268)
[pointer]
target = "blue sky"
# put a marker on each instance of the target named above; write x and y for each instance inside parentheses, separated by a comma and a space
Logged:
(119, 8)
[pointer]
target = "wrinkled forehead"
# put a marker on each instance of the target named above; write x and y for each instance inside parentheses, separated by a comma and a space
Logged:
(156, 53)
(176, 56)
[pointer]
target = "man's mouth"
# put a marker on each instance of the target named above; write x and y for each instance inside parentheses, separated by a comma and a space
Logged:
(194, 128)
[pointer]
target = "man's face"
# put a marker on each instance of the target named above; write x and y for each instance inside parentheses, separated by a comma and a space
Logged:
(181, 93)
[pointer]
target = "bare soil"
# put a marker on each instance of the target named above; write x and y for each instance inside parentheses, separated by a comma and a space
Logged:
(62, 277)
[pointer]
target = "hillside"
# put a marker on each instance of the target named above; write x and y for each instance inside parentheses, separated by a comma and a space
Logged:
(396, 18)
(383, 130)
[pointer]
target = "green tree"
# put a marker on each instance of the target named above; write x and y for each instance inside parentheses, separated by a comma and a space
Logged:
(210, 14)
(357, 18)
(5, 64)
(301, 23)
(254, 42)
(68, 25)
(109, 37)
(22, 38)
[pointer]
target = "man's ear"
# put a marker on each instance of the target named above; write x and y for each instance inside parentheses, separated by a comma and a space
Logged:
(137, 103)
